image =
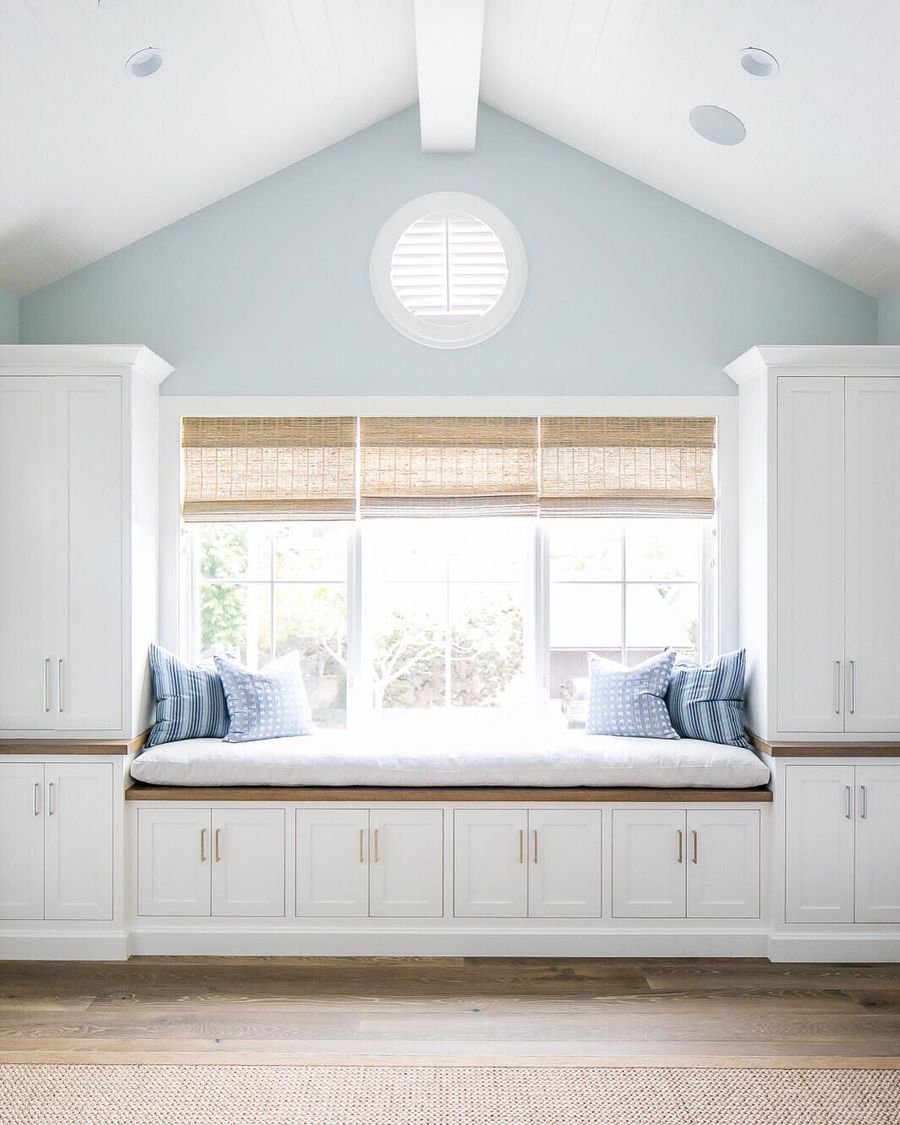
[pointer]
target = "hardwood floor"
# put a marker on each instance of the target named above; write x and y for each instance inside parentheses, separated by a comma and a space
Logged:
(668, 1012)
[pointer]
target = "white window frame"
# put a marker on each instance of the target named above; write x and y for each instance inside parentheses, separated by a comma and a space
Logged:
(719, 589)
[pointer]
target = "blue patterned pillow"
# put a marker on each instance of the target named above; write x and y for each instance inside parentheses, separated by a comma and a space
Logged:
(190, 702)
(708, 702)
(630, 701)
(271, 703)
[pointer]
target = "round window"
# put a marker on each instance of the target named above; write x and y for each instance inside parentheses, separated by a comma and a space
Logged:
(448, 270)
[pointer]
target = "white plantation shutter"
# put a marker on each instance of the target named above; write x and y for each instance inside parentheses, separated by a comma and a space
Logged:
(449, 268)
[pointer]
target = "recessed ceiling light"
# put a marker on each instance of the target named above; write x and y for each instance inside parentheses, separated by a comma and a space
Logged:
(759, 63)
(144, 63)
(717, 125)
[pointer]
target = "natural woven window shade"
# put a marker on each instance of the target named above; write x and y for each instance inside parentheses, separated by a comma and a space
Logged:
(448, 466)
(627, 466)
(269, 468)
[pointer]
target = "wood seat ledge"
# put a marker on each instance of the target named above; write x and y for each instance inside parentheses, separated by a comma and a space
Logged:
(141, 791)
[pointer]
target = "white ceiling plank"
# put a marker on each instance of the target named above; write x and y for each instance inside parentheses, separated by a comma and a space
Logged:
(448, 62)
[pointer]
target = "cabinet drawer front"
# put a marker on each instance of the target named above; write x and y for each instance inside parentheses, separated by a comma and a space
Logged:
(406, 863)
(333, 863)
(248, 863)
(174, 862)
(649, 863)
(819, 844)
(490, 851)
(21, 840)
(723, 864)
(78, 835)
(564, 870)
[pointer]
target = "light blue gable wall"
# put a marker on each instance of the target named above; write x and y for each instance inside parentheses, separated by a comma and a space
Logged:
(889, 318)
(629, 291)
(9, 319)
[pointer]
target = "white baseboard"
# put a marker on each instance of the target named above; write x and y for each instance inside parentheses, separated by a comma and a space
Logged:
(33, 945)
(349, 942)
(824, 948)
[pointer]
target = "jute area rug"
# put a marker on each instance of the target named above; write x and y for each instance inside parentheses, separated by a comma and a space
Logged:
(443, 1095)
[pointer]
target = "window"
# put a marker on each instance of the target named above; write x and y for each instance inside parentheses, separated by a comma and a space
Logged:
(449, 609)
(448, 270)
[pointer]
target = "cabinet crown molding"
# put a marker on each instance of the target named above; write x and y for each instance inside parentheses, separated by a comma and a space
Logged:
(82, 359)
(821, 359)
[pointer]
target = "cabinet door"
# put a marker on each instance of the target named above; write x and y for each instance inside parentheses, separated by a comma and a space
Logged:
(27, 560)
(78, 840)
(174, 861)
(490, 863)
(332, 863)
(819, 844)
(648, 863)
(810, 554)
(564, 870)
(87, 670)
(248, 863)
(873, 555)
(723, 863)
(406, 863)
(21, 840)
(878, 843)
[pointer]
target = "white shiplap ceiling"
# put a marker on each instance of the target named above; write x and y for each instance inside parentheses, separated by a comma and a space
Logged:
(91, 160)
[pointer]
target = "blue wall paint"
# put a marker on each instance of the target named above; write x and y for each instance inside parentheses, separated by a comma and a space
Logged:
(889, 318)
(9, 319)
(629, 291)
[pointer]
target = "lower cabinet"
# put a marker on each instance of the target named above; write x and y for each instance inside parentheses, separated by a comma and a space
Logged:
(842, 843)
(520, 863)
(226, 863)
(378, 863)
(672, 863)
(56, 840)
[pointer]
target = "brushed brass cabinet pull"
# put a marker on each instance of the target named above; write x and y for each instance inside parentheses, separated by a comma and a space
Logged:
(695, 849)
(203, 845)
(535, 846)
(521, 845)
(375, 846)
(218, 852)
(362, 838)
(680, 845)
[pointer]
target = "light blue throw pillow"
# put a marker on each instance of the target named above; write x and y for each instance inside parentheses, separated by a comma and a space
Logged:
(270, 703)
(630, 701)
(190, 702)
(708, 702)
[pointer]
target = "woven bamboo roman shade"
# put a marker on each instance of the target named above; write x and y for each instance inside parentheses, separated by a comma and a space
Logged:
(269, 468)
(627, 466)
(448, 466)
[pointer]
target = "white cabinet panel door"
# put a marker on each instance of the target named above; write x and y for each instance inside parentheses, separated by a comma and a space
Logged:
(28, 514)
(873, 555)
(174, 862)
(406, 863)
(248, 863)
(490, 863)
(78, 840)
(819, 844)
(564, 873)
(648, 870)
(810, 554)
(723, 864)
(878, 843)
(87, 668)
(332, 863)
(21, 840)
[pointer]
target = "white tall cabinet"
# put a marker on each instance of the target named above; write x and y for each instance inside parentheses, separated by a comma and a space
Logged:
(78, 539)
(820, 540)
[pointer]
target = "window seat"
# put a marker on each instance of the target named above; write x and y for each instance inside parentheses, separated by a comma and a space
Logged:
(516, 759)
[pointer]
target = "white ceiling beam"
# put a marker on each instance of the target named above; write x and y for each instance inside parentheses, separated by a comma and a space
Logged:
(448, 60)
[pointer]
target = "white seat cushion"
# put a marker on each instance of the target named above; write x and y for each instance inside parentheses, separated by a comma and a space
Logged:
(540, 757)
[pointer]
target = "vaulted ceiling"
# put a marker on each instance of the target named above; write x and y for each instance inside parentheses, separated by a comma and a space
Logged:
(91, 159)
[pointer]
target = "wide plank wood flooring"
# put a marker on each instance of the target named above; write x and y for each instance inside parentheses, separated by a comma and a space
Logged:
(488, 1010)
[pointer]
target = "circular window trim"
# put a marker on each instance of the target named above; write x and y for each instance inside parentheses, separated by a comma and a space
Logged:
(456, 335)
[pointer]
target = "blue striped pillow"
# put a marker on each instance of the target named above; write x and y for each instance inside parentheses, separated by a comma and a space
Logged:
(190, 701)
(707, 702)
